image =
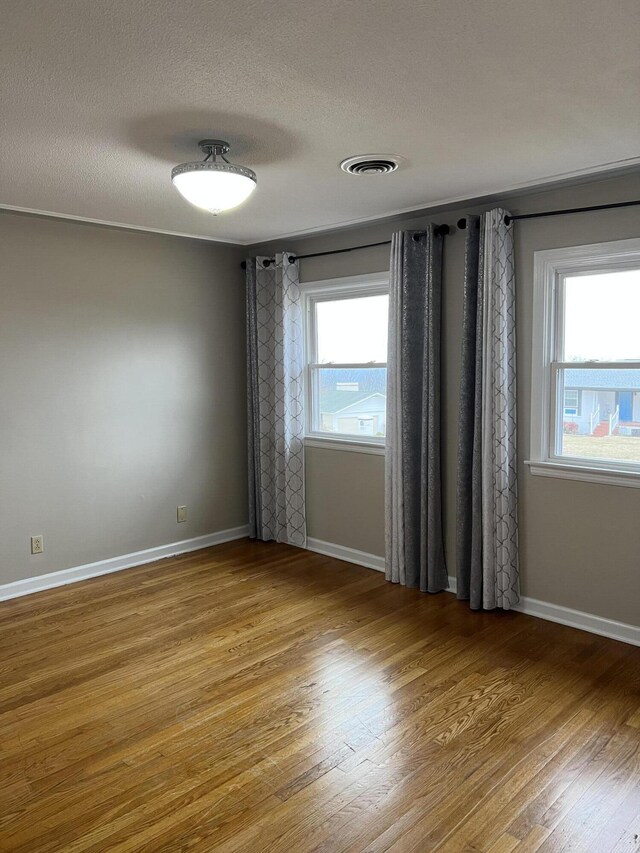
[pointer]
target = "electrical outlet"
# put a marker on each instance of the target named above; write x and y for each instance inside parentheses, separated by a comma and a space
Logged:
(182, 513)
(37, 544)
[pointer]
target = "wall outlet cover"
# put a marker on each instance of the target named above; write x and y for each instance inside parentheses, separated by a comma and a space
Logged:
(37, 544)
(182, 513)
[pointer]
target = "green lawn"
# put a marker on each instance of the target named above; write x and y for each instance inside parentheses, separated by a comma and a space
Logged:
(605, 447)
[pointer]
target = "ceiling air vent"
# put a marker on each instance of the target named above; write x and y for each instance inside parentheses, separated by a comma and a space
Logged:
(371, 164)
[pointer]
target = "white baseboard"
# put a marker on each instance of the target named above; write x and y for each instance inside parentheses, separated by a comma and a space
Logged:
(573, 618)
(349, 555)
(578, 619)
(542, 609)
(116, 564)
(531, 606)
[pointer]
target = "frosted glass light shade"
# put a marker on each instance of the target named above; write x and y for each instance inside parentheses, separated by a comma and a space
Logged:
(214, 186)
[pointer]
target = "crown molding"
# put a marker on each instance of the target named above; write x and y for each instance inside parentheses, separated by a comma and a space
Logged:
(122, 226)
(563, 179)
(558, 181)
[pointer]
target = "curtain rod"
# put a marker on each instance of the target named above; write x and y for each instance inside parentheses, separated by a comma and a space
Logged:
(462, 223)
(439, 230)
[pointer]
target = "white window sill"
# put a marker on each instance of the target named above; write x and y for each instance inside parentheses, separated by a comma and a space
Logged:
(586, 473)
(349, 444)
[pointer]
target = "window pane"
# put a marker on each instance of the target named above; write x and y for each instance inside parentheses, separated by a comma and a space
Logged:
(603, 421)
(352, 330)
(350, 401)
(602, 317)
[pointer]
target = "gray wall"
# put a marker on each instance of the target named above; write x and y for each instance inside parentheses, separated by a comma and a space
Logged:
(580, 541)
(122, 391)
(122, 396)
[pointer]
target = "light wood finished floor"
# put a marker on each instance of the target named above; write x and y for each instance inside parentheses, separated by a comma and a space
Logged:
(256, 697)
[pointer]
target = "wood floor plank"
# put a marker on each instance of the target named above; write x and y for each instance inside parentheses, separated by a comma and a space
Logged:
(255, 697)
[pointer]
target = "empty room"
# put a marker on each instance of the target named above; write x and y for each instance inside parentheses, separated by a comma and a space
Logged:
(320, 426)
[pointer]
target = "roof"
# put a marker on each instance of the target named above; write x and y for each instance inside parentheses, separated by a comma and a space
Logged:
(369, 379)
(614, 379)
(335, 401)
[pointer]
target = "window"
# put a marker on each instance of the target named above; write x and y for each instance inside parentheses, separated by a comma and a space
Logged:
(346, 353)
(571, 402)
(586, 364)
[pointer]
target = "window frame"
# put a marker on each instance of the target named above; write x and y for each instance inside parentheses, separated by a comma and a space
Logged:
(551, 268)
(349, 287)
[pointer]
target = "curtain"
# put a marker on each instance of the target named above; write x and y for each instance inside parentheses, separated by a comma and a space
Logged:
(487, 504)
(275, 365)
(413, 494)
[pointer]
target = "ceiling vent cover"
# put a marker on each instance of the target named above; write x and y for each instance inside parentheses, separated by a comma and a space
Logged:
(371, 164)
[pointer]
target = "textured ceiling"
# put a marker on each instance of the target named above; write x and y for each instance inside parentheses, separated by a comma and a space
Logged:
(100, 98)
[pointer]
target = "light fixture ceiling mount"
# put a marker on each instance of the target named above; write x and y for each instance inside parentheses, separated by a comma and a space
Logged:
(212, 184)
(214, 147)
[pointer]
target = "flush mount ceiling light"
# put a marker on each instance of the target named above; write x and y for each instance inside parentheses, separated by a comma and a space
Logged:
(371, 164)
(212, 184)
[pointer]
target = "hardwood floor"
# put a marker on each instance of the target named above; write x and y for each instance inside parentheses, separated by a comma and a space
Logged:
(256, 697)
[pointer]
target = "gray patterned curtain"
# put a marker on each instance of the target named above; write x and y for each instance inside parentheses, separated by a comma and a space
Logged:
(413, 498)
(275, 365)
(487, 502)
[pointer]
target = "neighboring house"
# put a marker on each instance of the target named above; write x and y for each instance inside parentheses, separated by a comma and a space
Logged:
(602, 402)
(353, 400)
(354, 412)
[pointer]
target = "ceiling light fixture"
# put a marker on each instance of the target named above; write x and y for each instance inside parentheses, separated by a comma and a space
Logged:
(211, 184)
